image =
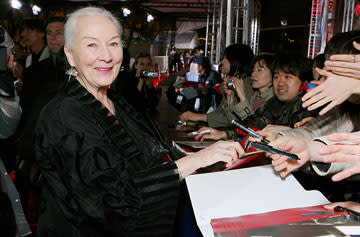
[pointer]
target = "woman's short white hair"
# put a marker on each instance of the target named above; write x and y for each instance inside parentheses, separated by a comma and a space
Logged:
(73, 18)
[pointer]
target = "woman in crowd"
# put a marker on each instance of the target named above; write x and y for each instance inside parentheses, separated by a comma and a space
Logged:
(102, 165)
(235, 67)
(261, 82)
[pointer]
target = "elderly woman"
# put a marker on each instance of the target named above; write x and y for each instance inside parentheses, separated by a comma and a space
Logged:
(102, 166)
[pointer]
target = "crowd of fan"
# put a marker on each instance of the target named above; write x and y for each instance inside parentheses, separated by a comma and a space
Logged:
(268, 92)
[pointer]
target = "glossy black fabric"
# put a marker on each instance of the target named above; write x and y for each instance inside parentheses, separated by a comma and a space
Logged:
(103, 174)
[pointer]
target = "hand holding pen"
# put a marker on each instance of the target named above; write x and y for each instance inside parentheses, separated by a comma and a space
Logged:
(210, 134)
(263, 144)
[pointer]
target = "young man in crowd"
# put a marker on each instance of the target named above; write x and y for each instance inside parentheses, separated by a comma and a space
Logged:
(32, 35)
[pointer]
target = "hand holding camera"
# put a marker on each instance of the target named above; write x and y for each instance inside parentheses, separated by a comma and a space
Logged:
(230, 83)
(237, 85)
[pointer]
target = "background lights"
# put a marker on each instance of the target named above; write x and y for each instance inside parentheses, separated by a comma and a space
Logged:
(126, 12)
(16, 4)
(150, 18)
(36, 10)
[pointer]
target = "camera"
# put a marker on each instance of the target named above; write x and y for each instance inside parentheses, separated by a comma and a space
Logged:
(230, 84)
(146, 74)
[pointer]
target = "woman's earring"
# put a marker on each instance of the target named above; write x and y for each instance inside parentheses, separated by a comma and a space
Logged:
(72, 72)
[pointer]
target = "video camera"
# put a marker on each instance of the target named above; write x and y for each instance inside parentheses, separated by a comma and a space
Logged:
(146, 74)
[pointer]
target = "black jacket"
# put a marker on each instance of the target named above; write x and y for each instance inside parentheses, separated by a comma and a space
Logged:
(103, 174)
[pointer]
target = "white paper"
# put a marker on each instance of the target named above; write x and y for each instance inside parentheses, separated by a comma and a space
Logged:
(245, 191)
(349, 230)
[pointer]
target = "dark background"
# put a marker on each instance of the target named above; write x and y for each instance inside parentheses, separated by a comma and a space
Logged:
(295, 36)
(273, 37)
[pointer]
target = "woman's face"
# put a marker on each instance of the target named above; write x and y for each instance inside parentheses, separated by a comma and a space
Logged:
(261, 77)
(144, 64)
(96, 51)
(225, 66)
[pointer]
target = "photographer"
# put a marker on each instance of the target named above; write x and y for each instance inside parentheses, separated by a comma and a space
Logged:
(142, 79)
(12, 217)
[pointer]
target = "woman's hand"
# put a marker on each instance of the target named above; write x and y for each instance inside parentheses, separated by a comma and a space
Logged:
(213, 135)
(347, 65)
(304, 148)
(239, 88)
(354, 206)
(225, 151)
(190, 116)
(335, 90)
(303, 122)
(228, 91)
(343, 153)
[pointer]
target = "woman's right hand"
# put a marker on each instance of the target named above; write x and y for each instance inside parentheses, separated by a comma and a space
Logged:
(226, 151)
(213, 135)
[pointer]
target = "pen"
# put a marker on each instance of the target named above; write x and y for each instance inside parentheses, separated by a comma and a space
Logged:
(274, 150)
(206, 131)
(249, 131)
